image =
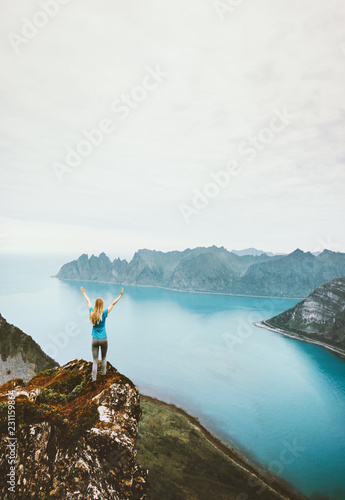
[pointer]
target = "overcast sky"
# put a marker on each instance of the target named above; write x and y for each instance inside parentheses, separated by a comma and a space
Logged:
(185, 92)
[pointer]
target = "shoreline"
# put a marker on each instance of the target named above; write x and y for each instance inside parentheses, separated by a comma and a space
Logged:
(182, 291)
(263, 324)
(285, 490)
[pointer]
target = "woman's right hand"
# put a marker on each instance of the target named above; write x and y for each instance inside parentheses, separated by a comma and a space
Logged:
(121, 292)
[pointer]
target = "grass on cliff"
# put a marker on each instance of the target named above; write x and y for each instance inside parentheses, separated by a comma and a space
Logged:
(64, 400)
(182, 464)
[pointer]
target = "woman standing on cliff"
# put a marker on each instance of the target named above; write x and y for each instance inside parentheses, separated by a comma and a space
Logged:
(99, 334)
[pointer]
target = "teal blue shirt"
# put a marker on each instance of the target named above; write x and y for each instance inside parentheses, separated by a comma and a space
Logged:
(98, 330)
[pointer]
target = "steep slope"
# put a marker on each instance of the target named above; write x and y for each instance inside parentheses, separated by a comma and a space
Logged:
(216, 271)
(77, 439)
(320, 318)
(185, 461)
(20, 355)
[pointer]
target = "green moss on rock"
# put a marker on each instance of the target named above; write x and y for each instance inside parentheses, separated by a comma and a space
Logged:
(61, 396)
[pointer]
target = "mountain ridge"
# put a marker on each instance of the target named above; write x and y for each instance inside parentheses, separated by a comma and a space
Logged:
(20, 355)
(254, 251)
(213, 269)
(318, 319)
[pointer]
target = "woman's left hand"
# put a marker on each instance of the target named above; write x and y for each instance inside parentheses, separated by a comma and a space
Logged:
(82, 289)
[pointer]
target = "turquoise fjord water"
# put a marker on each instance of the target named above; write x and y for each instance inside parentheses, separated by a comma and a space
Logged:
(279, 401)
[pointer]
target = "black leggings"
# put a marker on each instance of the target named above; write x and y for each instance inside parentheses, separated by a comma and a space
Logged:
(103, 344)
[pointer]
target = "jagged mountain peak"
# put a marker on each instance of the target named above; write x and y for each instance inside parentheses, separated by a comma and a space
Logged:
(326, 251)
(298, 251)
(83, 256)
(215, 269)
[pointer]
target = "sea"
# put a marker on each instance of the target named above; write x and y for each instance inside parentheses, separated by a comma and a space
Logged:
(278, 401)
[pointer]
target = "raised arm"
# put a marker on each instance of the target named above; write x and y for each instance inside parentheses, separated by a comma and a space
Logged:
(115, 301)
(86, 297)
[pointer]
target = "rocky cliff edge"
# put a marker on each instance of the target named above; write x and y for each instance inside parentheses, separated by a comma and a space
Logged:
(74, 438)
(319, 319)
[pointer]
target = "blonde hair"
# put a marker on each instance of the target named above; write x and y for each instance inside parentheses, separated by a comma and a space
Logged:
(96, 314)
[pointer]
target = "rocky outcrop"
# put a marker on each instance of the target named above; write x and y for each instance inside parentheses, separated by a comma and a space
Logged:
(75, 439)
(20, 355)
(320, 318)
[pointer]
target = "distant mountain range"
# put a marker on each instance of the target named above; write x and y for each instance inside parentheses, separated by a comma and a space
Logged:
(320, 318)
(213, 269)
(254, 251)
(20, 356)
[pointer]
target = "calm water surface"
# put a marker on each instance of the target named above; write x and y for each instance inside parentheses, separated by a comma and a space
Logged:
(280, 401)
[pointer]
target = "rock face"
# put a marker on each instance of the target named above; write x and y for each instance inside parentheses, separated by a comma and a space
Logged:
(76, 439)
(20, 355)
(320, 317)
(214, 269)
